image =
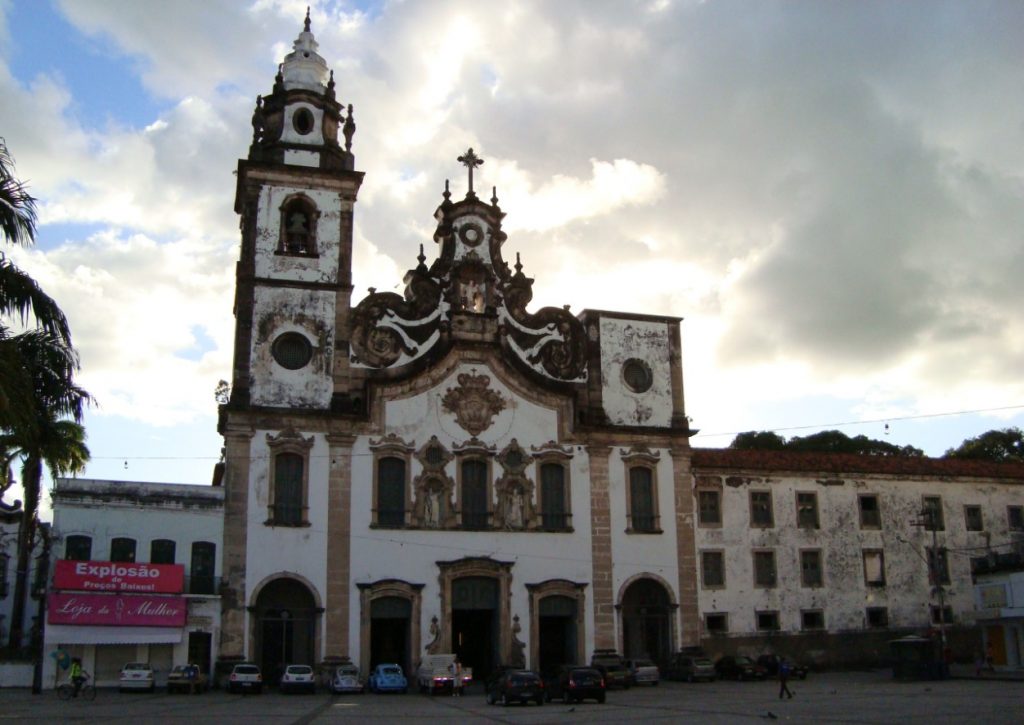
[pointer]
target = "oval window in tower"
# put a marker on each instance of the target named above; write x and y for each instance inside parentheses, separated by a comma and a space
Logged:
(292, 350)
(303, 121)
(637, 375)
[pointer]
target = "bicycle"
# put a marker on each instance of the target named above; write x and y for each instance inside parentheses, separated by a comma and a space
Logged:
(67, 691)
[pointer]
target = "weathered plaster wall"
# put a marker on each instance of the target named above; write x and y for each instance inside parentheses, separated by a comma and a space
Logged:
(284, 309)
(844, 594)
(321, 268)
(648, 341)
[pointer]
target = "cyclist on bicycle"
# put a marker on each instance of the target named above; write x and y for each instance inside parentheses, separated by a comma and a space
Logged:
(78, 675)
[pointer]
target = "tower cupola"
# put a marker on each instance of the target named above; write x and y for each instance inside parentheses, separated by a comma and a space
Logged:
(304, 67)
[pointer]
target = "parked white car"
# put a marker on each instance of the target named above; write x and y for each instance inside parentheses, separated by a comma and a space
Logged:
(137, 676)
(245, 677)
(298, 678)
(346, 679)
(643, 672)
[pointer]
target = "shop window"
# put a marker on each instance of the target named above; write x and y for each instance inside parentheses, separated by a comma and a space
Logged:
(474, 494)
(807, 510)
(874, 568)
(812, 619)
(972, 518)
(810, 568)
(764, 569)
(122, 549)
(712, 568)
(761, 515)
(767, 621)
(716, 623)
(709, 508)
(643, 507)
(870, 514)
(78, 547)
(554, 499)
(161, 551)
(391, 492)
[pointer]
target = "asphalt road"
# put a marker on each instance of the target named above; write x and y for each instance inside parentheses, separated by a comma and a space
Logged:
(859, 697)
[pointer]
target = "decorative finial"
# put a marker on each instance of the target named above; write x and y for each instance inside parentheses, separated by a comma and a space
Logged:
(519, 265)
(447, 193)
(422, 257)
(470, 160)
(330, 85)
(305, 27)
(494, 196)
(349, 129)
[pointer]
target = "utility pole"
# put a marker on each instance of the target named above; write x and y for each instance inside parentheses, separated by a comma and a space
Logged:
(928, 519)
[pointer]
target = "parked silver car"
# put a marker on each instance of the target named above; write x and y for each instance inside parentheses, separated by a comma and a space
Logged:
(643, 672)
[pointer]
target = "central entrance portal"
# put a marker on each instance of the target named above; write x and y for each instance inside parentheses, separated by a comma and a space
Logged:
(286, 621)
(475, 624)
(390, 619)
(556, 625)
(647, 622)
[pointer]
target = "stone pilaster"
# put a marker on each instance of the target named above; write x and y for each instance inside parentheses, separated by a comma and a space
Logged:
(237, 453)
(601, 548)
(686, 547)
(339, 548)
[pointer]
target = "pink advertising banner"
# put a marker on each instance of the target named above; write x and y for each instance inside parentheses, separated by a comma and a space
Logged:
(133, 610)
(115, 576)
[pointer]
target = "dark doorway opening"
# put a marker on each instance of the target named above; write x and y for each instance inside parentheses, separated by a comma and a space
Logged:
(390, 620)
(200, 647)
(475, 624)
(557, 632)
(285, 627)
(646, 627)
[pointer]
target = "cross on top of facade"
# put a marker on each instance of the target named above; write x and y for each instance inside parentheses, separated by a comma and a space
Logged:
(470, 160)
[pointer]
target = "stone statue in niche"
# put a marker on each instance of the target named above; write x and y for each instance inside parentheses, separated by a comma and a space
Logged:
(432, 509)
(518, 658)
(514, 517)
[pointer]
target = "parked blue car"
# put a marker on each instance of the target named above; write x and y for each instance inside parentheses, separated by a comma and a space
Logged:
(388, 678)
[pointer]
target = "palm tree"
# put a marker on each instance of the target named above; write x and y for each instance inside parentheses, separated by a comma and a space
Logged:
(49, 439)
(38, 394)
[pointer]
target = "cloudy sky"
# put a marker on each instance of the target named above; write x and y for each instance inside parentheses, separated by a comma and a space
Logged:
(829, 193)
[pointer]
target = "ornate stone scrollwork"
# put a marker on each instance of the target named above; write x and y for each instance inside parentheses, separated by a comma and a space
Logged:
(385, 325)
(551, 337)
(473, 404)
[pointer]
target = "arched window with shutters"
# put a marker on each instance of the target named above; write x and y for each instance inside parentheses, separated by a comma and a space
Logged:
(554, 497)
(122, 549)
(202, 568)
(162, 551)
(643, 500)
(78, 547)
(474, 494)
(288, 503)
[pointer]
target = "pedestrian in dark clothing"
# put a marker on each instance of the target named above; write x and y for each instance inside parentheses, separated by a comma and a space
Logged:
(784, 670)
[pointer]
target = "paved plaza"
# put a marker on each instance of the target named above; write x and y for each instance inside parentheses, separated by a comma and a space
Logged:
(857, 697)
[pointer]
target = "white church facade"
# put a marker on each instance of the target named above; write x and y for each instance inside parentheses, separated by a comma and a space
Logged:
(448, 471)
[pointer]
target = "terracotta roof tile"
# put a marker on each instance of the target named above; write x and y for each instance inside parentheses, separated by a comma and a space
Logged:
(798, 461)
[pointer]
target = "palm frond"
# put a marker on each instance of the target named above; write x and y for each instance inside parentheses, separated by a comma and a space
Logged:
(17, 206)
(21, 296)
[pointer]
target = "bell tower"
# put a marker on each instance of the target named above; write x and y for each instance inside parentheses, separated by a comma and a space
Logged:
(295, 195)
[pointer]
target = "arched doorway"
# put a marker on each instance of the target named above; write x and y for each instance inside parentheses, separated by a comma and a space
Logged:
(647, 621)
(285, 626)
(390, 620)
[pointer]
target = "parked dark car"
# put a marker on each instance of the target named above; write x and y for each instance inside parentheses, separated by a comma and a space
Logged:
(739, 667)
(575, 684)
(770, 662)
(516, 686)
(615, 675)
(691, 668)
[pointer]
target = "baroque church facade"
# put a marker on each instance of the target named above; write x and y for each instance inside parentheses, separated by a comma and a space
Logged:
(446, 470)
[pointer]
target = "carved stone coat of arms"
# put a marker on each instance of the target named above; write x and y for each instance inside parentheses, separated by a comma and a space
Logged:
(473, 403)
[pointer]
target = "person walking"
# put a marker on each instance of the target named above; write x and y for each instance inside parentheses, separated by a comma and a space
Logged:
(456, 670)
(784, 670)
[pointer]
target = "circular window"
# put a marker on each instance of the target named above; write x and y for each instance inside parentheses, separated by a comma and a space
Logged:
(637, 375)
(292, 350)
(303, 121)
(471, 234)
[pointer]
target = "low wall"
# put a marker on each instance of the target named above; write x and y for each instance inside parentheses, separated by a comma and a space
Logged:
(15, 674)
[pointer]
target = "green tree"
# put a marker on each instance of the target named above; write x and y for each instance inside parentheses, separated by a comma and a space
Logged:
(764, 440)
(40, 404)
(1002, 445)
(826, 441)
(49, 439)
